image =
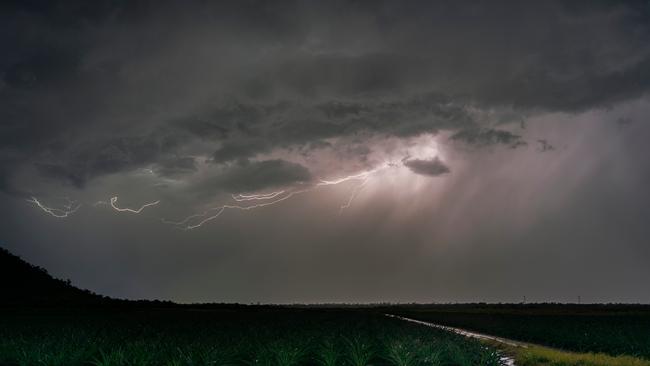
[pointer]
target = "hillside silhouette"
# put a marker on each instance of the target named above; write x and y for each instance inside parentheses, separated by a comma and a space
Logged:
(22, 283)
(25, 285)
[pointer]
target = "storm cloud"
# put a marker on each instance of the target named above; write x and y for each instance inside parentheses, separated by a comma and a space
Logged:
(433, 167)
(251, 77)
(487, 121)
(245, 176)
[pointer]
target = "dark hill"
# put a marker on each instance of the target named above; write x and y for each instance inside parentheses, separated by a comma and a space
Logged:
(24, 284)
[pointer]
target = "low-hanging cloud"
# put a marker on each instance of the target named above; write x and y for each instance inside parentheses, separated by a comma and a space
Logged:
(430, 167)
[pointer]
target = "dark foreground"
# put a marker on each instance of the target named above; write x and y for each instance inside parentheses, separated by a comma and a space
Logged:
(144, 334)
(254, 336)
(48, 322)
(610, 329)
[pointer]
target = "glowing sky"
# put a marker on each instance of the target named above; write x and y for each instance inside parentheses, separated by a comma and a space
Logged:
(334, 151)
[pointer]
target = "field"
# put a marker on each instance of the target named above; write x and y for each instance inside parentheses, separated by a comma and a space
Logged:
(258, 336)
(48, 322)
(609, 329)
(132, 335)
(541, 356)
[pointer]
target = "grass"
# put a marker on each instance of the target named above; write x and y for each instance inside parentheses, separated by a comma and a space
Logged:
(542, 356)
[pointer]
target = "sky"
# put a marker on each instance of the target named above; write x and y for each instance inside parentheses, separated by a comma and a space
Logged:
(329, 151)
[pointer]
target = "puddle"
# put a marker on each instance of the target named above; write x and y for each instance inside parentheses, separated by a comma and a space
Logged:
(505, 360)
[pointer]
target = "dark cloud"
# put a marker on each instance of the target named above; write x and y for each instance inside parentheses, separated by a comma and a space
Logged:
(430, 167)
(63, 173)
(251, 77)
(583, 90)
(249, 176)
(486, 137)
(110, 156)
(238, 96)
(175, 166)
(240, 149)
(292, 124)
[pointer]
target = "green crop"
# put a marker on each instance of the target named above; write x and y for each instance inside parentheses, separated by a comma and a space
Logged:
(271, 337)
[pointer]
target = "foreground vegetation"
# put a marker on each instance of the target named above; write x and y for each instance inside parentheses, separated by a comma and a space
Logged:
(41, 324)
(614, 330)
(227, 337)
(541, 356)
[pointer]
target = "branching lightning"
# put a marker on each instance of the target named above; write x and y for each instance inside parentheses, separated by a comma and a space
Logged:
(255, 197)
(196, 220)
(360, 176)
(213, 213)
(114, 200)
(68, 208)
(257, 201)
(354, 194)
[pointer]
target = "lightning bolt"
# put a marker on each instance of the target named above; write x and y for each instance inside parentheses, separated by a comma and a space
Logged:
(197, 220)
(114, 200)
(364, 177)
(67, 210)
(254, 197)
(354, 194)
(213, 213)
(360, 176)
